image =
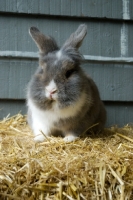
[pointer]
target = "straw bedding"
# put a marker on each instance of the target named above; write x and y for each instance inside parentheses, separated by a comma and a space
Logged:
(97, 167)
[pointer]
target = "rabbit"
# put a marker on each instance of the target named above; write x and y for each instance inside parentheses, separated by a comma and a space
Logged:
(61, 98)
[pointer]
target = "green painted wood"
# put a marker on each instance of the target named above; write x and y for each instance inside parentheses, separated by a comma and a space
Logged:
(87, 58)
(14, 76)
(107, 38)
(117, 113)
(115, 81)
(130, 39)
(103, 38)
(120, 9)
(12, 107)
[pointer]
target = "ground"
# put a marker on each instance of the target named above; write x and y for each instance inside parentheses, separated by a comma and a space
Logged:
(93, 167)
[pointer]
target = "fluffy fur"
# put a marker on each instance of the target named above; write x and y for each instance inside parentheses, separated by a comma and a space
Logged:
(61, 98)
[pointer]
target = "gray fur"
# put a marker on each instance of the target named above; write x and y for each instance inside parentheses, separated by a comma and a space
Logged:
(45, 43)
(69, 89)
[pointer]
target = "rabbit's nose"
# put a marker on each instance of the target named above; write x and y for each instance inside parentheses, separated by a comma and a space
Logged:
(51, 87)
(53, 91)
(50, 93)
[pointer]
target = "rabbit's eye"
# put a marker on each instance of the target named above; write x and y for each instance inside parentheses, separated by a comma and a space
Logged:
(69, 73)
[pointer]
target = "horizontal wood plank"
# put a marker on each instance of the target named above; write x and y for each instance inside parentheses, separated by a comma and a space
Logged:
(88, 58)
(14, 76)
(106, 39)
(120, 9)
(12, 107)
(117, 113)
(114, 81)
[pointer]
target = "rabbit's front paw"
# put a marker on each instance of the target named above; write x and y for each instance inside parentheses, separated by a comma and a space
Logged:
(70, 138)
(39, 138)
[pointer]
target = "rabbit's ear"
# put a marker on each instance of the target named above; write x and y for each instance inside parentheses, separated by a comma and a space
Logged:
(44, 43)
(76, 38)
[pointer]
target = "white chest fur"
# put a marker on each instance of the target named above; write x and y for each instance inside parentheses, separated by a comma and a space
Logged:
(44, 120)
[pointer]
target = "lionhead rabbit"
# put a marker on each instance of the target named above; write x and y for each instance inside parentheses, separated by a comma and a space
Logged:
(60, 96)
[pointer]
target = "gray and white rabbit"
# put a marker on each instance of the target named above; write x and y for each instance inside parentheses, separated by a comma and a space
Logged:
(61, 98)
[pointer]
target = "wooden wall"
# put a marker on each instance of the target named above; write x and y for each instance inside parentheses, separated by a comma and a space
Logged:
(107, 48)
